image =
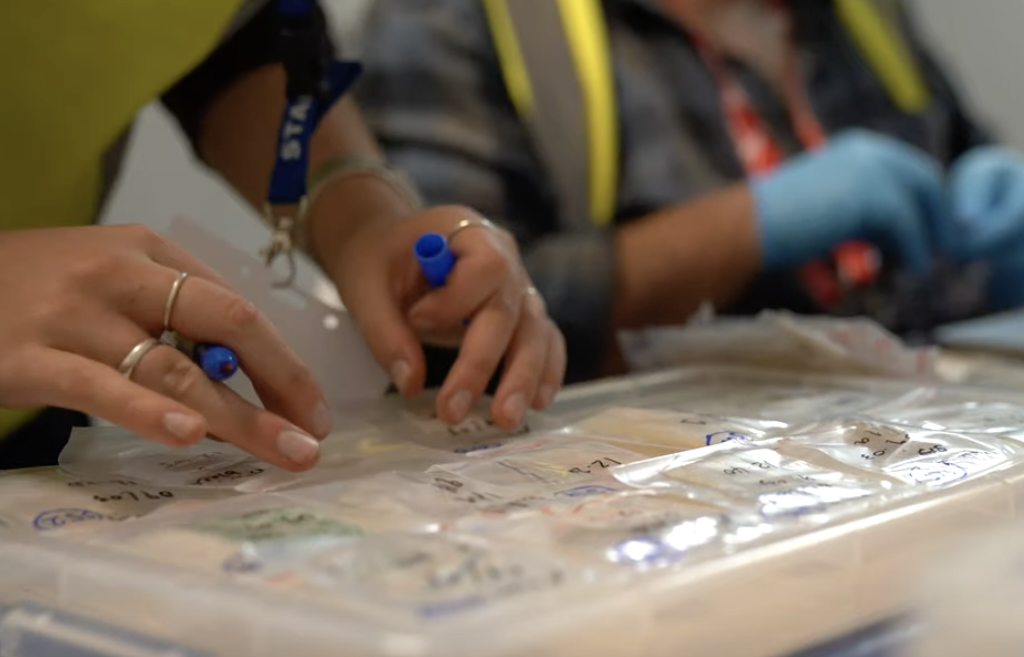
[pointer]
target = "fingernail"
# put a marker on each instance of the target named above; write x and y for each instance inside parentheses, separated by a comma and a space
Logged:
(183, 426)
(458, 405)
(515, 407)
(400, 373)
(321, 420)
(298, 447)
(547, 395)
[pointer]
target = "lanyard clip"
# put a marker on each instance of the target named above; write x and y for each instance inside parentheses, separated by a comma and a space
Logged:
(286, 221)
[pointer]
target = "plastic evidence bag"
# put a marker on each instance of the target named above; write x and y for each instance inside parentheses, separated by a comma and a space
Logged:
(635, 528)
(677, 430)
(996, 418)
(428, 577)
(758, 396)
(549, 459)
(477, 432)
(53, 502)
(406, 500)
(251, 535)
(771, 484)
(115, 452)
(913, 456)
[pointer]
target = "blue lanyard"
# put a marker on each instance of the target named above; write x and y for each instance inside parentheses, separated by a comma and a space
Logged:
(313, 88)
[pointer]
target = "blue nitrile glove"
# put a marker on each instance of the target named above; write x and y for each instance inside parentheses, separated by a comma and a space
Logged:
(862, 186)
(987, 219)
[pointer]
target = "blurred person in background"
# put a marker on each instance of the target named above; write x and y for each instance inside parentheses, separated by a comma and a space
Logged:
(654, 155)
(82, 304)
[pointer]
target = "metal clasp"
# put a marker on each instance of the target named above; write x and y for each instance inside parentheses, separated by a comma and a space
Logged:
(284, 221)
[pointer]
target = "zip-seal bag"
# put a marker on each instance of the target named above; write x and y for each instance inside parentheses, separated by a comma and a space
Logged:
(773, 486)
(426, 578)
(977, 417)
(409, 500)
(548, 459)
(258, 536)
(639, 529)
(908, 454)
(675, 430)
(51, 502)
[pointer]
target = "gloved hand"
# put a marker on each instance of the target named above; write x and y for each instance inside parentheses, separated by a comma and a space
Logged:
(987, 219)
(862, 186)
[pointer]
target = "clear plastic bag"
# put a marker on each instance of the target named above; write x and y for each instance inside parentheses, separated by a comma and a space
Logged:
(996, 418)
(429, 577)
(552, 459)
(634, 528)
(251, 535)
(910, 455)
(407, 501)
(114, 452)
(774, 486)
(674, 430)
(49, 501)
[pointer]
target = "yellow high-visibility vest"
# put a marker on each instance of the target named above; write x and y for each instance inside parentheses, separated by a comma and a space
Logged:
(555, 61)
(74, 74)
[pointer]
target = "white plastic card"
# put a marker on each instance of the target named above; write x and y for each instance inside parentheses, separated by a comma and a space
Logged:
(327, 340)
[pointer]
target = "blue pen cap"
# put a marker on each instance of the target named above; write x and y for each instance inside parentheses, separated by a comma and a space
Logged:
(435, 258)
(217, 362)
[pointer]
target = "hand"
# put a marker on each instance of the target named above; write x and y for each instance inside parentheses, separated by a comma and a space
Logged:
(77, 300)
(381, 285)
(862, 186)
(987, 222)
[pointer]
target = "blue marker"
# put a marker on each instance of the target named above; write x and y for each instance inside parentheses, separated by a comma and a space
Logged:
(217, 362)
(435, 257)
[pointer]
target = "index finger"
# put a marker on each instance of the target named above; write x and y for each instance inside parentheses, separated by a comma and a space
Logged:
(482, 350)
(208, 312)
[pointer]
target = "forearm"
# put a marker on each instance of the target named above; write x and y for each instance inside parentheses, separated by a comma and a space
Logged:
(672, 261)
(239, 138)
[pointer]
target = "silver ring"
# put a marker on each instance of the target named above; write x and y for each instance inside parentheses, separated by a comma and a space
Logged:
(135, 356)
(173, 297)
(474, 222)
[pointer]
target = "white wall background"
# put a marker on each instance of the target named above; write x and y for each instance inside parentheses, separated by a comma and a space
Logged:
(980, 40)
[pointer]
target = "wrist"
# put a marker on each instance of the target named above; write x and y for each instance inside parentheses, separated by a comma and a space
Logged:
(346, 197)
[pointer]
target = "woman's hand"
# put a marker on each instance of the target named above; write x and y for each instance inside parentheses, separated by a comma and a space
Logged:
(77, 300)
(382, 286)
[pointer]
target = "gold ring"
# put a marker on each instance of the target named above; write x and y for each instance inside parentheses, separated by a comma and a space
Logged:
(135, 356)
(473, 222)
(172, 298)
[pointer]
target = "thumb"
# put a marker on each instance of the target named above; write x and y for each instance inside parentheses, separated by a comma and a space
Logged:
(972, 181)
(988, 202)
(387, 333)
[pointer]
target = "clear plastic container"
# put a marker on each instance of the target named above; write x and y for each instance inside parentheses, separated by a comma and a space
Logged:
(629, 532)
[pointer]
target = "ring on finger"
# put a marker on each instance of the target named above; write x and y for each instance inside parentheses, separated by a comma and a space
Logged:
(172, 298)
(472, 222)
(135, 356)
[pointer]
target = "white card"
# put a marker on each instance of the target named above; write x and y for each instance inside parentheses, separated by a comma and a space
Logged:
(327, 340)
